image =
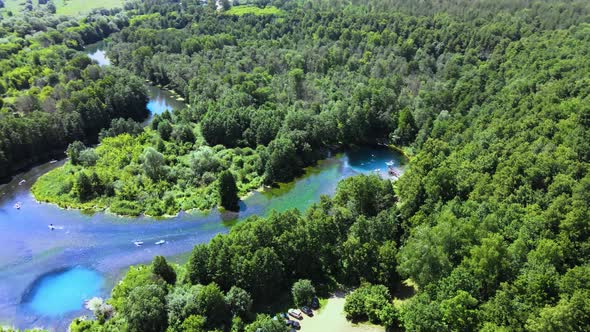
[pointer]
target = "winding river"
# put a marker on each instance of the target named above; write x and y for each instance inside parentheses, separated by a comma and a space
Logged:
(45, 275)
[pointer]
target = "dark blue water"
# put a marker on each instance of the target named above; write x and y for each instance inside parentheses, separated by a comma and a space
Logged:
(104, 243)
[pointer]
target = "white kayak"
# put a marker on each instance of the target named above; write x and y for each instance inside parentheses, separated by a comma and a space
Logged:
(138, 243)
(161, 242)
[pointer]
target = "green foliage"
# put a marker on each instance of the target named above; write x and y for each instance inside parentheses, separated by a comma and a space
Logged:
(145, 309)
(253, 10)
(74, 151)
(83, 187)
(266, 324)
(153, 164)
(303, 292)
(194, 323)
(239, 301)
(367, 302)
(490, 97)
(282, 163)
(228, 191)
(160, 267)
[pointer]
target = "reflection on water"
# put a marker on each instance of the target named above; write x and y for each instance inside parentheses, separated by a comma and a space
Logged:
(161, 100)
(97, 52)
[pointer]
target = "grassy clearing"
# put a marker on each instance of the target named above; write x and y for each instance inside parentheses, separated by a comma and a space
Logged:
(74, 7)
(332, 318)
(253, 10)
(68, 7)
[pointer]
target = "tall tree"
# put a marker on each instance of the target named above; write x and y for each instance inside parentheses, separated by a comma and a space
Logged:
(145, 309)
(228, 191)
(160, 267)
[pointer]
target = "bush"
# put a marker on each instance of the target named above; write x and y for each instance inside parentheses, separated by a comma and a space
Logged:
(161, 268)
(303, 292)
(369, 302)
(126, 208)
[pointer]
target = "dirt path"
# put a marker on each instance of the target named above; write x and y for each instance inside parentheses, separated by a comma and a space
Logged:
(332, 318)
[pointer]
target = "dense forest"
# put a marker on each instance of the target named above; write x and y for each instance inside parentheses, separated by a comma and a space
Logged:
(50, 93)
(489, 223)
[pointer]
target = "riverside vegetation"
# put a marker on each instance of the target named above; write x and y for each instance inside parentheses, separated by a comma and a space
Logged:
(490, 220)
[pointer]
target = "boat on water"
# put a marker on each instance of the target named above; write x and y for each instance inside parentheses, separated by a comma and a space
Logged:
(51, 227)
(22, 182)
(389, 163)
(391, 171)
(53, 161)
(138, 243)
(161, 242)
(17, 206)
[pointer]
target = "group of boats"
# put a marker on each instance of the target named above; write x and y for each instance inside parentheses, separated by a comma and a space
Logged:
(140, 243)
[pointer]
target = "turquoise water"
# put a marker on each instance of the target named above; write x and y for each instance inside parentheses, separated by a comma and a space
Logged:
(372, 160)
(60, 292)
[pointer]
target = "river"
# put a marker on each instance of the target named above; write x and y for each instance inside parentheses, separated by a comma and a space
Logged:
(45, 275)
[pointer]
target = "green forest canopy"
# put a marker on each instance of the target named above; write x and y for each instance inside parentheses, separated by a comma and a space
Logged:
(490, 221)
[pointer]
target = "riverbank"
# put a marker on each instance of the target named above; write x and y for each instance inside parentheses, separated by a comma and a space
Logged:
(58, 186)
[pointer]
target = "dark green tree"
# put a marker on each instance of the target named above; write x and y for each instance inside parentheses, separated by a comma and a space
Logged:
(239, 301)
(160, 267)
(165, 130)
(83, 187)
(406, 128)
(228, 191)
(145, 309)
(303, 292)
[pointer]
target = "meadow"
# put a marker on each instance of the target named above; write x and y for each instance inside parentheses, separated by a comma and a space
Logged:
(68, 7)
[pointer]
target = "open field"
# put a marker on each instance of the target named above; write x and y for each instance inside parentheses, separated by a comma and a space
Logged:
(331, 317)
(254, 10)
(68, 7)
